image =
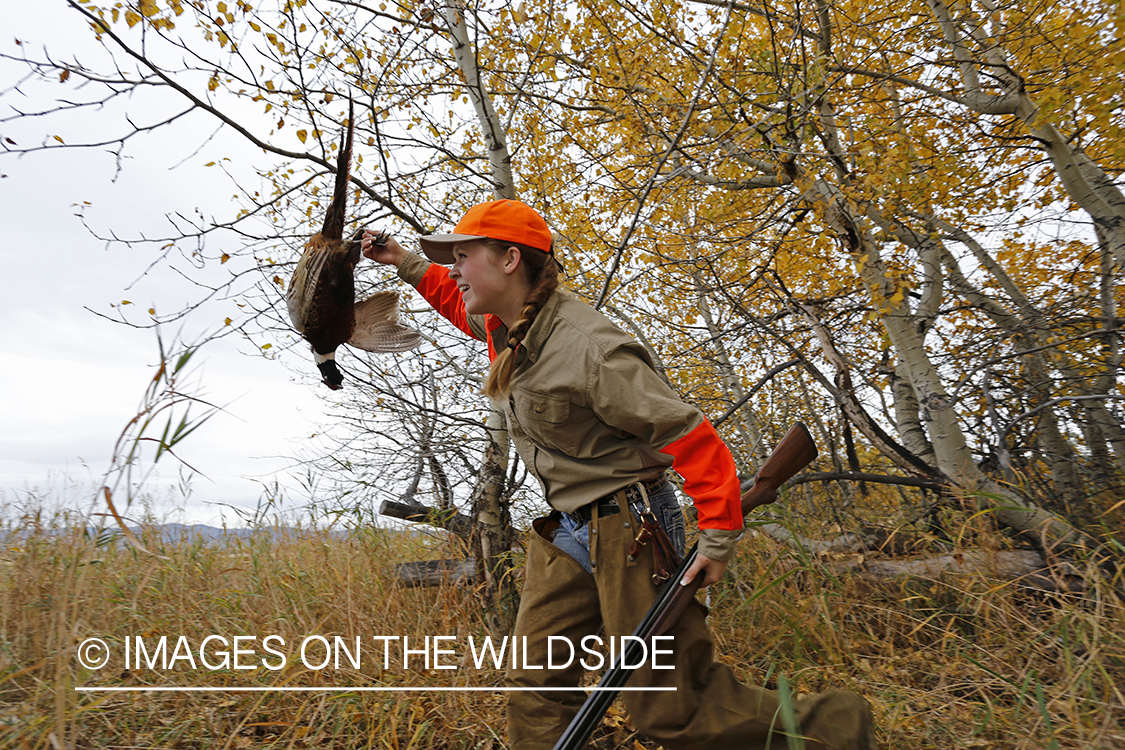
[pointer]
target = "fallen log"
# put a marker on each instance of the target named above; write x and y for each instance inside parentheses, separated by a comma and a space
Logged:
(450, 520)
(892, 542)
(435, 572)
(1026, 567)
(842, 543)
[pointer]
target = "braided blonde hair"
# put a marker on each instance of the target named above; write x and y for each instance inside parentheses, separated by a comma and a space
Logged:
(543, 275)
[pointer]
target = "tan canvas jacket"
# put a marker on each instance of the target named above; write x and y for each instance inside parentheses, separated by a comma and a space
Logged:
(587, 412)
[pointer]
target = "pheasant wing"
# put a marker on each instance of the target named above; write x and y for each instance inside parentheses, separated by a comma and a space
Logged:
(377, 328)
(302, 287)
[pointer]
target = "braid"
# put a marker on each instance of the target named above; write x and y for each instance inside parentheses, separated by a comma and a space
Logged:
(544, 277)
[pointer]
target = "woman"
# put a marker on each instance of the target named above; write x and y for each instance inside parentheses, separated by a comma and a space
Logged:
(599, 429)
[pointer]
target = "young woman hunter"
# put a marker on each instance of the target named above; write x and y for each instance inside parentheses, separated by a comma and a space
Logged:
(599, 429)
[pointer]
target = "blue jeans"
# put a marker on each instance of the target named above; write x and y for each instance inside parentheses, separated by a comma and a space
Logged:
(573, 534)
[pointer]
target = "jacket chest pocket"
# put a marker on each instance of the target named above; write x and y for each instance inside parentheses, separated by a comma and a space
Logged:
(545, 419)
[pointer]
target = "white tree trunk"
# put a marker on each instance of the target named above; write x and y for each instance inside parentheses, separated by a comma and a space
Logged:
(495, 139)
(494, 528)
(1085, 182)
(744, 419)
(951, 451)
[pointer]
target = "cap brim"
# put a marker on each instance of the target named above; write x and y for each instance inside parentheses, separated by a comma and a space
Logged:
(439, 247)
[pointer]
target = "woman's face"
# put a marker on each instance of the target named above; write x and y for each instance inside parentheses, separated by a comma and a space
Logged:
(485, 278)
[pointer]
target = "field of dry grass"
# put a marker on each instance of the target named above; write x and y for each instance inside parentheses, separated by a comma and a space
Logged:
(969, 663)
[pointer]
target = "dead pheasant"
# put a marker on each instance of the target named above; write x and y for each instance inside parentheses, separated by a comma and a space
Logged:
(321, 297)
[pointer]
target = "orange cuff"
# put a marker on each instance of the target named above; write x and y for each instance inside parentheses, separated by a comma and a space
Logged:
(710, 478)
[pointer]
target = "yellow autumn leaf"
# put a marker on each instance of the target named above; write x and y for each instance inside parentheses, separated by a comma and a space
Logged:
(302, 135)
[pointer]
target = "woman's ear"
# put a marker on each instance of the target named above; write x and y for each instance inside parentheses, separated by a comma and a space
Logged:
(512, 257)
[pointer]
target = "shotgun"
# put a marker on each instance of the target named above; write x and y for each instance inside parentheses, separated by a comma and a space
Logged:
(792, 454)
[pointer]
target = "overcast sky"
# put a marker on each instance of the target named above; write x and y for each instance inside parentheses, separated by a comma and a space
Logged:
(71, 379)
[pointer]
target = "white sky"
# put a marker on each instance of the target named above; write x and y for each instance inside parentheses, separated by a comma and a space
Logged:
(71, 380)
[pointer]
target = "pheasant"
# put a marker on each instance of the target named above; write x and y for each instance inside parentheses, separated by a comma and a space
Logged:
(321, 296)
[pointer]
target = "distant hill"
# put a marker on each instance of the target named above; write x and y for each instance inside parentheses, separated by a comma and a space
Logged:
(180, 532)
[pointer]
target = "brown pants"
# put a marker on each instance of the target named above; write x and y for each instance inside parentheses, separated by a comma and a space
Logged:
(709, 708)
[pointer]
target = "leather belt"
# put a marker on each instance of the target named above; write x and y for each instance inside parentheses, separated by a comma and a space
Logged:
(607, 506)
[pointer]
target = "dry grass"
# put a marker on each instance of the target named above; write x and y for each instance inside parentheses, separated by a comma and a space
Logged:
(957, 663)
(952, 664)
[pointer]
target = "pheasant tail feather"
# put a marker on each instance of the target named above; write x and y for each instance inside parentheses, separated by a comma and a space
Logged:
(334, 222)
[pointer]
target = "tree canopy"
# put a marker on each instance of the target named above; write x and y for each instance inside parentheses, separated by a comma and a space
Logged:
(901, 223)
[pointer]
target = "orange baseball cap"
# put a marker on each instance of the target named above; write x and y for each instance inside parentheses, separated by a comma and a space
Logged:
(505, 219)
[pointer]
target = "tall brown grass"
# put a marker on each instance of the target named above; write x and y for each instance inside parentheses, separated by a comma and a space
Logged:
(966, 663)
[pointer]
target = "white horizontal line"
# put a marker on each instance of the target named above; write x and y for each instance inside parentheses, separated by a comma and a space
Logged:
(358, 689)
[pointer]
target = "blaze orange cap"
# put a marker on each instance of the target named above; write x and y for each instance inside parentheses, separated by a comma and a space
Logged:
(506, 220)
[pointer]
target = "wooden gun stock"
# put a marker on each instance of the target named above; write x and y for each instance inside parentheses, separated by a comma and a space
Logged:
(795, 451)
(792, 454)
